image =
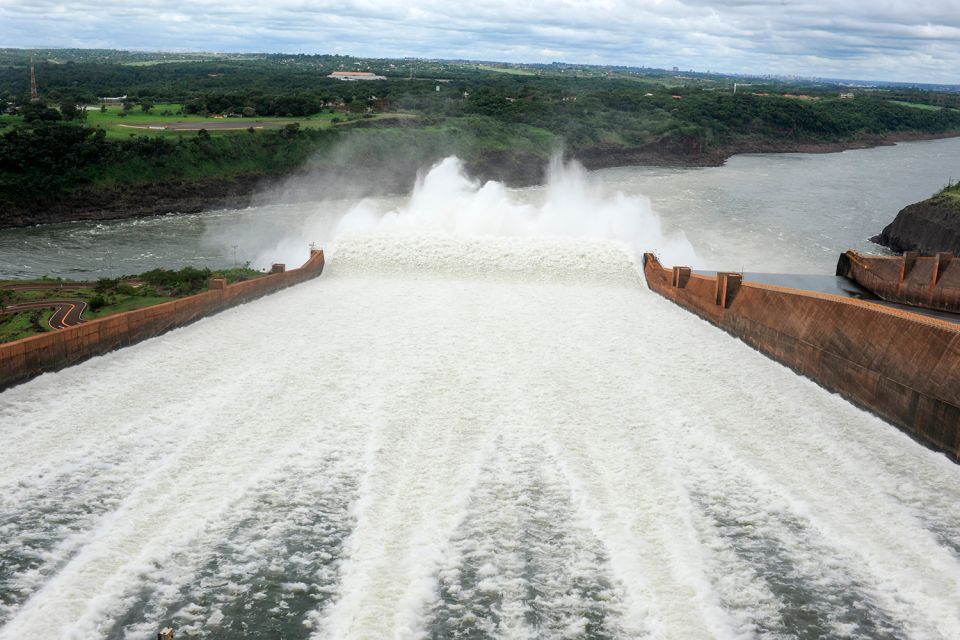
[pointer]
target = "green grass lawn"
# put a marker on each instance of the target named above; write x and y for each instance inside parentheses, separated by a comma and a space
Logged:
(951, 194)
(123, 126)
(135, 122)
(24, 324)
(126, 303)
(52, 294)
(917, 105)
(510, 70)
(151, 63)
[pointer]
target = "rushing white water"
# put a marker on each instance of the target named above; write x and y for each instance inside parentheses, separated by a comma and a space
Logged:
(462, 435)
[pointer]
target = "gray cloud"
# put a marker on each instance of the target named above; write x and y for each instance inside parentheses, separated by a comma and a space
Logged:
(890, 40)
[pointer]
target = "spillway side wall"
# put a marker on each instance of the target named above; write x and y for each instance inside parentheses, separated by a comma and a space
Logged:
(931, 282)
(27, 358)
(903, 367)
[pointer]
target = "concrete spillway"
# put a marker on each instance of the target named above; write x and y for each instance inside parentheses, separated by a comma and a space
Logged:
(504, 438)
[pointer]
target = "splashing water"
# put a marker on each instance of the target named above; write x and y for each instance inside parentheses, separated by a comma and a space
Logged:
(476, 424)
(446, 201)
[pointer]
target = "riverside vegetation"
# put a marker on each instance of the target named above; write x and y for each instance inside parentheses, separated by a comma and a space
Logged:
(264, 117)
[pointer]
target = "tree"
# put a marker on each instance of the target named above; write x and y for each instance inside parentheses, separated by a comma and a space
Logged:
(105, 286)
(145, 106)
(39, 112)
(6, 295)
(70, 111)
(127, 106)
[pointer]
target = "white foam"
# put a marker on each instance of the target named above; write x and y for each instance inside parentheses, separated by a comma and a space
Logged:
(446, 201)
(546, 431)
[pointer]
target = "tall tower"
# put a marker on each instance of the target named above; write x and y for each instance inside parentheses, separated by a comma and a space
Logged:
(34, 95)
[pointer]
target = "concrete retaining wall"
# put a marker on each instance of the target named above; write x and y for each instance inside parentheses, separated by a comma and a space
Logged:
(932, 282)
(29, 357)
(902, 366)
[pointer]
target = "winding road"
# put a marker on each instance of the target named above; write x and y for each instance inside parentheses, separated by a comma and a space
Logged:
(67, 313)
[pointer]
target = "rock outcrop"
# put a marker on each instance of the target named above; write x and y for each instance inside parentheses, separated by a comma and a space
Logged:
(929, 227)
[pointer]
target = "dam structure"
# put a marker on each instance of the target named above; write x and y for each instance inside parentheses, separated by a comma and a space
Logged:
(447, 437)
(478, 422)
(859, 337)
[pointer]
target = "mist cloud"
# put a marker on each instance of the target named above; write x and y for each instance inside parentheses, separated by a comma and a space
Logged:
(893, 40)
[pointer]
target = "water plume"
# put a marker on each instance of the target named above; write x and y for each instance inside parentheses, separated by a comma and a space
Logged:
(445, 200)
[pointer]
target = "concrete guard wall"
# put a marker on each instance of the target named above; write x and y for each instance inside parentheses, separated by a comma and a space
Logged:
(932, 282)
(24, 359)
(902, 366)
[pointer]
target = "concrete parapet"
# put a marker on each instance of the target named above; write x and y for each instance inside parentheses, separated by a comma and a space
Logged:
(29, 357)
(903, 366)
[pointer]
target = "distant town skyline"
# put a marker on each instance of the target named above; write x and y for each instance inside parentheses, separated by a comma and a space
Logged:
(893, 41)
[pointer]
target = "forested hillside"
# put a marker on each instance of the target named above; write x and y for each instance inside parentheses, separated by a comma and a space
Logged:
(187, 121)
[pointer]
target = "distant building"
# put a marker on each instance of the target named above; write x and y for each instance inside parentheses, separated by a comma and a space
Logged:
(846, 96)
(116, 100)
(351, 76)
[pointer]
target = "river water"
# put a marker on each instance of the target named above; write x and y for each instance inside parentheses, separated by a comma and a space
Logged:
(478, 423)
(760, 213)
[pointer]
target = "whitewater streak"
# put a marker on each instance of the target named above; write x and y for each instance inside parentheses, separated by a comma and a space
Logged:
(451, 435)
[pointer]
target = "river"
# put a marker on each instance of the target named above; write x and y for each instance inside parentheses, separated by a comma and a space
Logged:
(478, 423)
(760, 213)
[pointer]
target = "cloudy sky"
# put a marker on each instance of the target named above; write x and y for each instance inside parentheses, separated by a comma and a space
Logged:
(911, 40)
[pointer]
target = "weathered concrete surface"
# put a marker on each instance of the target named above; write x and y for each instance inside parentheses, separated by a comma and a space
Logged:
(931, 282)
(900, 365)
(29, 357)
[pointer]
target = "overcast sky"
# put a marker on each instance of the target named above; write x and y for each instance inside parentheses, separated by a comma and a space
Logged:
(910, 40)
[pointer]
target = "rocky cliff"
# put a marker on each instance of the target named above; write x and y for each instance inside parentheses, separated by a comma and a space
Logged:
(928, 227)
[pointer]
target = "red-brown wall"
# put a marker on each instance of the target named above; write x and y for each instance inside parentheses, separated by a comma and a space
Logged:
(902, 366)
(29, 357)
(932, 282)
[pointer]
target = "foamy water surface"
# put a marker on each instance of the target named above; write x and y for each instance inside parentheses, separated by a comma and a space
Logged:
(418, 444)
(477, 423)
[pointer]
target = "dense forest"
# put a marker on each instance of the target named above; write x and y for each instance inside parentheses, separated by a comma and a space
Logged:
(503, 119)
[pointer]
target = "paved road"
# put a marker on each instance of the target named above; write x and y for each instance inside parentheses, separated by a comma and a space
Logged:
(46, 285)
(67, 312)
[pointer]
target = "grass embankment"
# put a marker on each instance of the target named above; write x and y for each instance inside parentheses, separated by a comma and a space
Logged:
(916, 105)
(950, 195)
(106, 297)
(25, 324)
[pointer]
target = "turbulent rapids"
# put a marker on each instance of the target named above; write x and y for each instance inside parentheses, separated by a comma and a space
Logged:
(457, 436)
